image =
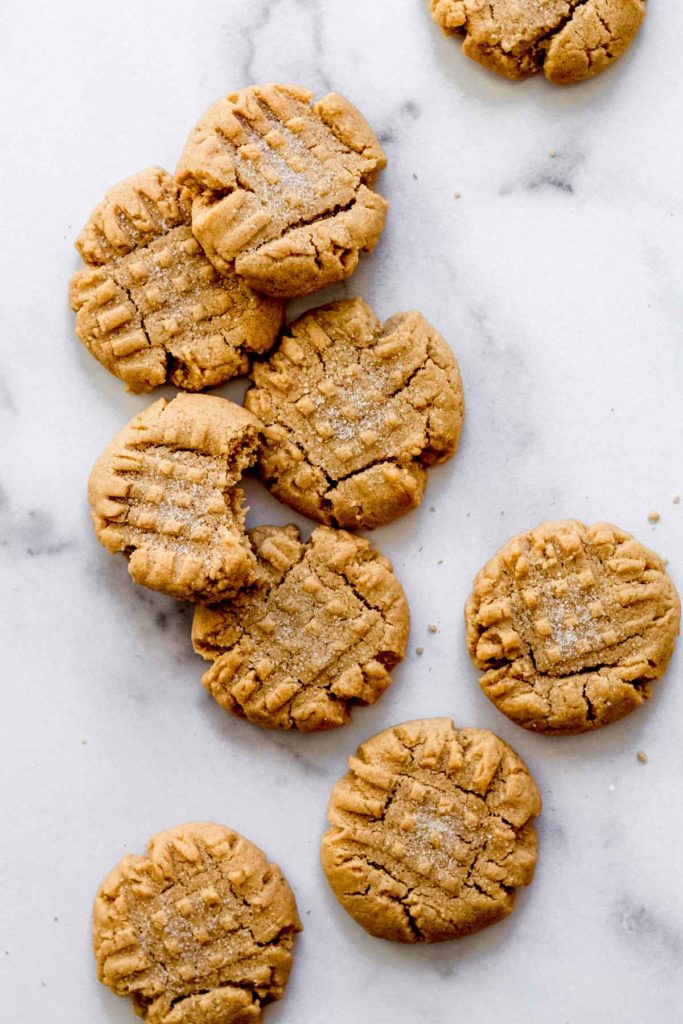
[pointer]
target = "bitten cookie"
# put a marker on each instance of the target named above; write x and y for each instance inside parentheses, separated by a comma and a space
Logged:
(355, 412)
(163, 492)
(571, 625)
(151, 307)
(431, 832)
(282, 187)
(319, 631)
(198, 930)
(568, 40)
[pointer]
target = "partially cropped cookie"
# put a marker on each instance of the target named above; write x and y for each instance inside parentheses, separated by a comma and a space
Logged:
(569, 40)
(164, 493)
(151, 307)
(355, 412)
(432, 832)
(283, 187)
(199, 930)
(571, 625)
(318, 632)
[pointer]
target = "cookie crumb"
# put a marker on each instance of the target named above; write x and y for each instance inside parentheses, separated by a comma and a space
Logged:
(677, 499)
(419, 650)
(552, 153)
(642, 756)
(432, 628)
(654, 517)
(457, 195)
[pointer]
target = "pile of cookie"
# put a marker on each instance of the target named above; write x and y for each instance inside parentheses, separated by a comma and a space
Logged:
(431, 830)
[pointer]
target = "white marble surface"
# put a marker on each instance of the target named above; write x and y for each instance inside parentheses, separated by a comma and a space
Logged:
(557, 281)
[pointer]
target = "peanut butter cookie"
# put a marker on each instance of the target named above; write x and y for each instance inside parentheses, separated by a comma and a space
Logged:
(197, 931)
(151, 307)
(571, 625)
(163, 492)
(354, 412)
(282, 187)
(431, 832)
(568, 40)
(319, 631)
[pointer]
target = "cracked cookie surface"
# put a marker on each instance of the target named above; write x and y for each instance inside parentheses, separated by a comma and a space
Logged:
(282, 187)
(355, 412)
(571, 625)
(164, 493)
(569, 40)
(150, 306)
(319, 632)
(199, 930)
(432, 832)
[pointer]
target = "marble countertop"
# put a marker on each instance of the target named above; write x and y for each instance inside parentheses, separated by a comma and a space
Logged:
(540, 230)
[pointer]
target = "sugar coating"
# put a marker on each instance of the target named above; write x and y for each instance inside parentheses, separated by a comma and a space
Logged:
(355, 412)
(198, 930)
(164, 493)
(151, 307)
(569, 40)
(431, 832)
(281, 187)
(319, 631)
(571, 625)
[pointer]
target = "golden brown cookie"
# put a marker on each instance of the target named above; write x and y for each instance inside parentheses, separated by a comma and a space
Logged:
(431, 832)
(164, 492)
(571, 625)
(568, 40)
(319, 631)
(150, 306)
(355, 412)
(282, 187)
(198, 930)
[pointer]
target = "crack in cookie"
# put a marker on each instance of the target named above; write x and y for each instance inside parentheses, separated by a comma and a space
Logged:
(355, 412)
(151, 307)
(432, 832)
(318, 632)
(571, 625)
(569, 40)
(281, 187)
(199, 929)
(164, 493)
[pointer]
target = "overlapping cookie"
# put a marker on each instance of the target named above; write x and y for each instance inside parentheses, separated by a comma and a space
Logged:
(151, 307)
(319, 631)
(431, 832)
(569, 40)
(571, 625)
(199, 930)
(282, 187)
(164, 493)
(355, 412)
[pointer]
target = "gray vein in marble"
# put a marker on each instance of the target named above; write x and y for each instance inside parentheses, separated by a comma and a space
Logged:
(557, 172)
(31, 532)
(264, 13)
(645, 928)
(6, 399)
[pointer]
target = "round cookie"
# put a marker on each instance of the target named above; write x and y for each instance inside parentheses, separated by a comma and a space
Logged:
(431, 832)
(569, 40)
(163, 492)
(354, 412)
(150, 306)
(197, 931)
(282, 187)
(319, 631)
(571, 625)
